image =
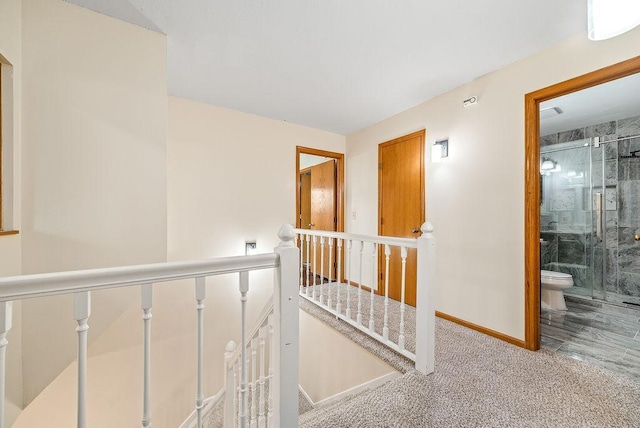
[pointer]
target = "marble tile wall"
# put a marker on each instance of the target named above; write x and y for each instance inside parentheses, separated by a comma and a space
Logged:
(567, 219)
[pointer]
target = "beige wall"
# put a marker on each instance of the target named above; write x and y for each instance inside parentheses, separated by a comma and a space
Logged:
(475, 198)
(94, 165)
(231, 178)
(10, 246)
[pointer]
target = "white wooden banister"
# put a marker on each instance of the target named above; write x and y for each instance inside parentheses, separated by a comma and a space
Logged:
(40, 285)
(6, 316)
(273, 397)
(396, 250)
(81, 313)
(286, 335)
(393, 241)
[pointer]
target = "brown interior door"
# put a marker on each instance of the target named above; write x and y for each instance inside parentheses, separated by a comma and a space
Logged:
(401, 207)
(305, 206)
(323, 210)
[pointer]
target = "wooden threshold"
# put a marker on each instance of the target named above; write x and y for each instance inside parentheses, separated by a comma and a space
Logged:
(483, 330)
(9, 232)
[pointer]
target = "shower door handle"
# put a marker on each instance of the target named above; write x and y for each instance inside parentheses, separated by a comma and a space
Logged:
(598, 217)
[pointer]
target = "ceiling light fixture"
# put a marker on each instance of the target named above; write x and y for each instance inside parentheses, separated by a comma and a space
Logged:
(610, 18)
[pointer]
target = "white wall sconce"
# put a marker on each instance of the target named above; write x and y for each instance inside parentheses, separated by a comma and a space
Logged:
(610, 18)
(439, 150)
(250, 248)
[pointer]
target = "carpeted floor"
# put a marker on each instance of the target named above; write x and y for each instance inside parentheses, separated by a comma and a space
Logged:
(479, 381)
(483, 382)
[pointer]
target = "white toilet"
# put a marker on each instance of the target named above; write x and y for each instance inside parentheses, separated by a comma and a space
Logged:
(552, 283)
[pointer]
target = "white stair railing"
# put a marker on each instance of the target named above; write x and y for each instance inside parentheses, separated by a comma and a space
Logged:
(350, 263)
(282, 327)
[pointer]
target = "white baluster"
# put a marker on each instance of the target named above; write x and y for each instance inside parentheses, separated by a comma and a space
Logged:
(272, 350)
(230, 378)
(6, 318)
(374, 253)
(338, 278)
(244, 288)
(348, 277)
(146, 299)
(81, 313)
(359, 315)
(299, 240)
(261, 415)
(254, 383)
(385, 329)
(403, 254)
(315, 268)
(425, 309)
(329, 302)
(308, 238)
(236, 408)
(200, 294)
(321, 270)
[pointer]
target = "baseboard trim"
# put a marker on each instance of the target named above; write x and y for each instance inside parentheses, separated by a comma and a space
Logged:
(364, 287)
(374, 383)
(483, 330)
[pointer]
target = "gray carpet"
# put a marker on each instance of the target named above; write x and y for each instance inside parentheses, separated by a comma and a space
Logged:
(386, 354)
(483, 382)
(479, 382)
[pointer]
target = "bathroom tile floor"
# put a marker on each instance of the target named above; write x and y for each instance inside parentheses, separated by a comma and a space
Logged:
(595, 332)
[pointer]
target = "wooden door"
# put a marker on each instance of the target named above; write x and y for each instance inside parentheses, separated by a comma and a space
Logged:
(401, 207)
(323, 209)
(305, 205)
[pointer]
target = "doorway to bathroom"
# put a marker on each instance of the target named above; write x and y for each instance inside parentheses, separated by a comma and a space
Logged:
(583, 204)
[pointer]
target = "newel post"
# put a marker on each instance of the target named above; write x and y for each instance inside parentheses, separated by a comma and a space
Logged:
(286, 342)
(425, 307)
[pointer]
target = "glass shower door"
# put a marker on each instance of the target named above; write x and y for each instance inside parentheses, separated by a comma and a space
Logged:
(567, 217)
(603, 205)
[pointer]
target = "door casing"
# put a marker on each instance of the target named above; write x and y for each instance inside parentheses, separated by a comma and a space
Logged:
(532, 182)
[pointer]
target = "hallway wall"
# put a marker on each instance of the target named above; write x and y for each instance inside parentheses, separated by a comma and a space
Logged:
(475, 197)
(94, 166)
(231, 178)
(10, 245)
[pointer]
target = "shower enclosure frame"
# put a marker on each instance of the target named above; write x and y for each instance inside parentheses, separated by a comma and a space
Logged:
(532, 182)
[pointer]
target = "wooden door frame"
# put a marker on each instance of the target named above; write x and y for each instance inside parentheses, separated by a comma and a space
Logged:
(532, 182)
(339, 157)
(422, 134)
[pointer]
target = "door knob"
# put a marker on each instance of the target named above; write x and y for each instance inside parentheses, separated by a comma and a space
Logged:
(415, 230)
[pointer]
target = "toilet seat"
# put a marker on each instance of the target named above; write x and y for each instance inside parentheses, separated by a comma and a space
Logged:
(555, 278)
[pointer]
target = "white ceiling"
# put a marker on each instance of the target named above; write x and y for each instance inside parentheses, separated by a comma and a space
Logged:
(609, 101)
(341, 65)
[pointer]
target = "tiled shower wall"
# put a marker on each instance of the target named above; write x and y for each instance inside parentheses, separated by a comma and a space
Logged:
(566, 224)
